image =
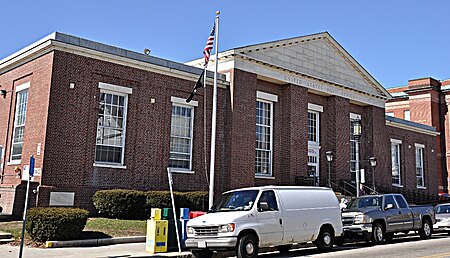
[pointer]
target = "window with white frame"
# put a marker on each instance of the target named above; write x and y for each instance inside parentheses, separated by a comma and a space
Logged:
(407, 115)
(111, 124)
(396, 166)
(390, 114)
(353, 118)
(264, 133)
(181, 134)
(313, 126)
(19, 122)
(419, 166)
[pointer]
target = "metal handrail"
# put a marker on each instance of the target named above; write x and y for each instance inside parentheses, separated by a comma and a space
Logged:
(341, 188)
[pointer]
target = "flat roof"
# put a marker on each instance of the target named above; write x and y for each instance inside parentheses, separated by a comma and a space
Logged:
(109, 49)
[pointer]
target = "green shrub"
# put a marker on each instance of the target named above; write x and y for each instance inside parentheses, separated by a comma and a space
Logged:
(130, 204)
(120, 204)
(43, 224)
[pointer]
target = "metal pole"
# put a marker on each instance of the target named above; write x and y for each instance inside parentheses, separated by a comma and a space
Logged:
(213, 123)
(24, 216)
(169, 175)
(373, 178)
(329, 174)
(357, 167)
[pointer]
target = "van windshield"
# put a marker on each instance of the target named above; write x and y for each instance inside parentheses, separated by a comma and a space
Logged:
(235, 201)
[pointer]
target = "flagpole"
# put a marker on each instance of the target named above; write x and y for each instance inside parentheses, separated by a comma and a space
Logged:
(213, 123)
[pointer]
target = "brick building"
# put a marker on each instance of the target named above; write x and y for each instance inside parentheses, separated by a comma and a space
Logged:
(426, 101)
(100, 117)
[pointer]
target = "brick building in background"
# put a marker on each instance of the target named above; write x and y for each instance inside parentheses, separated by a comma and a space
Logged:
(426, 101)
(100, 117)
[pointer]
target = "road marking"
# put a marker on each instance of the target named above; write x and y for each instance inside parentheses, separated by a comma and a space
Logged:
(437, 255)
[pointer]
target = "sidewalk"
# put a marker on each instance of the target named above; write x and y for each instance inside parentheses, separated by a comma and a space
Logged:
(119, 250)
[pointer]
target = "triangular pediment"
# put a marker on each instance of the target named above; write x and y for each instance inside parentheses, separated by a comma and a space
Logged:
(318, 56)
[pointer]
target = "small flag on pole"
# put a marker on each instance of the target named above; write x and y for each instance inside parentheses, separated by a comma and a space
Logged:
(198, 85)
(206, 53)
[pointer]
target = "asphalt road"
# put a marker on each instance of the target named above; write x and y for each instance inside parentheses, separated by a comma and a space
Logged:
(409, 246)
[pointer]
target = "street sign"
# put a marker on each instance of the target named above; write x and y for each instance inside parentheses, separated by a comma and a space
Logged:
(31, 168)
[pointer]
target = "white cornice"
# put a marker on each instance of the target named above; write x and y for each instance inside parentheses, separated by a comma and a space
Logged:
(47, 45)
(411, 128)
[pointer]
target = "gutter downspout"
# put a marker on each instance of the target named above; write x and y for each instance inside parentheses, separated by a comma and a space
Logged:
(443, 143)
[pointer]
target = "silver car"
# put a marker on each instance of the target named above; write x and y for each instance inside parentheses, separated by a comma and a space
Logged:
(442, 218)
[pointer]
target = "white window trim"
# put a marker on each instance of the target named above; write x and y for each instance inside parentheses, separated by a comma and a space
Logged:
(23, 87)
(314, 107)
(271, 134)
(182, 102)
(266, 96)
(398, 142)
(421, 146)
(418, 145)
(106, 165)
(125, 115)
(18, 89)
(355, 116)
(115, 88)
(389, 114)
(259, 176)
(315, 144)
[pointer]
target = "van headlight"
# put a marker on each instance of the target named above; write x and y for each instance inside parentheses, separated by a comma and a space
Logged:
(362, 219)
(190, 230)
(226, 228)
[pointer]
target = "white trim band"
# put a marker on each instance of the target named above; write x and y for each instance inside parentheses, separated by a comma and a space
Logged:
(266, 96)
(418, 145)
(116, 88)
(315, 107)
(355, 116)
(183, 101)
(396, 141)
(23, 87)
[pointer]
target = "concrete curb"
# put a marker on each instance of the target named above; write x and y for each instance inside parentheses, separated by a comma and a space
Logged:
(95, 242)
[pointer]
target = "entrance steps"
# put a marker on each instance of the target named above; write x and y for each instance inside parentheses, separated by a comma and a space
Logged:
(5, 238)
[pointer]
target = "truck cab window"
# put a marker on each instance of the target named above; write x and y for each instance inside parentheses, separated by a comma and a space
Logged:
(401, 202)
(390, 200)
(270, 199)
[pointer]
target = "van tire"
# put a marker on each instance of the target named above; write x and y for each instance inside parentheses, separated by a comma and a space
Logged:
(378, 233)
(283, 249)
(202, 253)
(247, 246)
(427, 229)
(324, 241)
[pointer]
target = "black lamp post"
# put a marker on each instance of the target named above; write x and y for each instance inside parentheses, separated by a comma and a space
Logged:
(373, 164)
(357, 137)
(329, 155)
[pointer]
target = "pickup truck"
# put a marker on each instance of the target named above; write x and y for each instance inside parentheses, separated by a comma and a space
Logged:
(378, 217)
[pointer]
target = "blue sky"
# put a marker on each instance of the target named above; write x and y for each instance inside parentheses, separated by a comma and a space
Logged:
(393, 40)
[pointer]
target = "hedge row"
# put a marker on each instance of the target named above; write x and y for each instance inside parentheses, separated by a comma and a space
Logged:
(132, 204)
(55, 223)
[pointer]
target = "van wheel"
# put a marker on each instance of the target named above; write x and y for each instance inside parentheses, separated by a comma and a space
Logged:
(202, 254)
(325, 240)
(247, 247)
(426, 230)
(377, 233)
(283, 248)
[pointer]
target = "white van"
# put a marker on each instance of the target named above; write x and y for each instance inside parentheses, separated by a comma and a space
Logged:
(246, 219)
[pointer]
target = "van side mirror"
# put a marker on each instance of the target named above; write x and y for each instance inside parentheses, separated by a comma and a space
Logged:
(389, 206)
(263, 206)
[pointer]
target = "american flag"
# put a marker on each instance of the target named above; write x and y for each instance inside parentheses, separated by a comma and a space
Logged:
(209, 45)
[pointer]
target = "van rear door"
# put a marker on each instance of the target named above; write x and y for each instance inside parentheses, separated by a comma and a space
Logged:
(270, 222)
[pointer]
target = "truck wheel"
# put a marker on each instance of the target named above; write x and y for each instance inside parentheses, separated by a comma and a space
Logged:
(247, 247)
(377, 233)
(324, 241)
(426, 230)
(202, 254)
(284, 249)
